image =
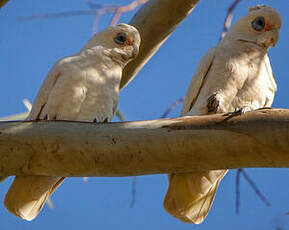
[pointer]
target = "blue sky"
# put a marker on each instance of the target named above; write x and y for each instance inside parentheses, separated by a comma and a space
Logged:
(29, 50)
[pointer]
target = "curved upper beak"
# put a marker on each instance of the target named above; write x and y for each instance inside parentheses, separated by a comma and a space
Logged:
(131, 55)
(275, 36)
(135, 50)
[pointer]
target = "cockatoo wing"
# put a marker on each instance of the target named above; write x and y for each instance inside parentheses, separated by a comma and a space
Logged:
(198, 80)
(271, 78)
(43, 93)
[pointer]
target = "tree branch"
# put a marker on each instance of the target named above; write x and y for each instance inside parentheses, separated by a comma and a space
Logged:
(59, 148)
(3, 2)
(156, 20)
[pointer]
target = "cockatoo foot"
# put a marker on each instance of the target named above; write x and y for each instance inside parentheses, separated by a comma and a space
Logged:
(237, 112)
(213, 103)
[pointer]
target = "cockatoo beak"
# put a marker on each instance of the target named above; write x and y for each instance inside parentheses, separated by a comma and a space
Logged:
(132, 54)
(135, 50)
(275, 36)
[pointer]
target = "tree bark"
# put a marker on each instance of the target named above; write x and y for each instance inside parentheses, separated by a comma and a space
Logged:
(3, 2)
(64, 148)
(156, 20)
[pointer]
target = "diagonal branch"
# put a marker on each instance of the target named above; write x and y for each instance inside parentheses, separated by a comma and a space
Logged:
(59, 148)
(3, 2)
(156, 20)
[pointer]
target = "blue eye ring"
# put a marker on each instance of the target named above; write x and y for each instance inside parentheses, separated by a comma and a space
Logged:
(120, 38)
(258, 24)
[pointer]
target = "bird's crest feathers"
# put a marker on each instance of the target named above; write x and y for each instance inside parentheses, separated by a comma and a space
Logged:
(258, 7)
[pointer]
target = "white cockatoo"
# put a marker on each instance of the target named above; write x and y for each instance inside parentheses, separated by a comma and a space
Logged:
(234, 75)
(82, 87)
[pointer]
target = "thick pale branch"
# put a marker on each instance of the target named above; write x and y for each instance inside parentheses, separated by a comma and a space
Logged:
(256, 139)
(156, 20)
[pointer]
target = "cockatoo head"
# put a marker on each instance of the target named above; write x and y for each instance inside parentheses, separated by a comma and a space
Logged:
(120, 42)
(261, 25)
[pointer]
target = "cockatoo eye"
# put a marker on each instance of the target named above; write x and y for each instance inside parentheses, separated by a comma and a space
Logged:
(258, 23)
(120, 38)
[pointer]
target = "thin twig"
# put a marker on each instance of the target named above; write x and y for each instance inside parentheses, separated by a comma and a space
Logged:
(238, 191)
(62, 14)
(92, 5)
(133, 192)
(229, 17)
(253, 185)
(122, 9)
(105, 9)
(95, 22)
(172, 107)
(95, 9)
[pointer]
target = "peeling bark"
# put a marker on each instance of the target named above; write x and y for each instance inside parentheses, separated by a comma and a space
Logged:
(64, 148)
